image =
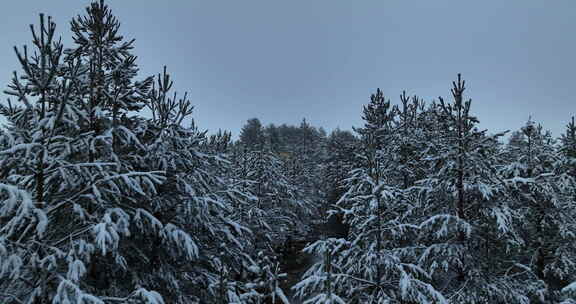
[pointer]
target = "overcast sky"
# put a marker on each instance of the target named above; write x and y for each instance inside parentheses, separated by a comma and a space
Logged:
(282, 61)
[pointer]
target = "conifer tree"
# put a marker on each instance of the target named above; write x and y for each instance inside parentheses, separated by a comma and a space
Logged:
(568, 139)
(409, 139)
(341, 148)
(467, 219)
(64, 213)
(539, 177)
(99, 205)
(367, 267)
(252, 135)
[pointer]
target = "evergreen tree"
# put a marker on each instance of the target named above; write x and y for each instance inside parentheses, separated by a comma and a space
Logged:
(568, 139)
(540, 180)
(252, 135)
(467, 222)
(99, 206)
(199, 196)
(273, 137)
(341, 148)
(64, 211)
(367, 267)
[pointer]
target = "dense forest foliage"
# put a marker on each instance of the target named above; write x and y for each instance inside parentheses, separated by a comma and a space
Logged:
(109, 195)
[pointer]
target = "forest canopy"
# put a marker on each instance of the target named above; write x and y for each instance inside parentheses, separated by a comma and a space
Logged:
(101, 203)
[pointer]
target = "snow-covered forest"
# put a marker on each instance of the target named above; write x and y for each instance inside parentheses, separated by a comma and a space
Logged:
(109, 193)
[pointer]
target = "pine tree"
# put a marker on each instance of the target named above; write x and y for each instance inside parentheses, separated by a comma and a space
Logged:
(341, 148)
(539, 178)
(409, 139)
(568, 139)
(467, 222)
(100, 206)
(277, 211)
(368, 267)
(197, 203)
(63, 212)
(273, 137)
(252, 135)
(280, 206)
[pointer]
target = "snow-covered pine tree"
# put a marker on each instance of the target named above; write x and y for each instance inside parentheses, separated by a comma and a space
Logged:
(367, 267)
(100, 226)
(304, 166)
(322, 283)
(409, 138)
(467, 225)
(63, 210)
(539, 177)
(196, 203)
(339, 151)
(107, 90)
(308, 150)
(277, 211)
(340, 148)
(285, 205)
(221, 142)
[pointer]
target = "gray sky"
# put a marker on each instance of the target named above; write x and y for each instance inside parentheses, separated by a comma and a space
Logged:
(282, 61)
